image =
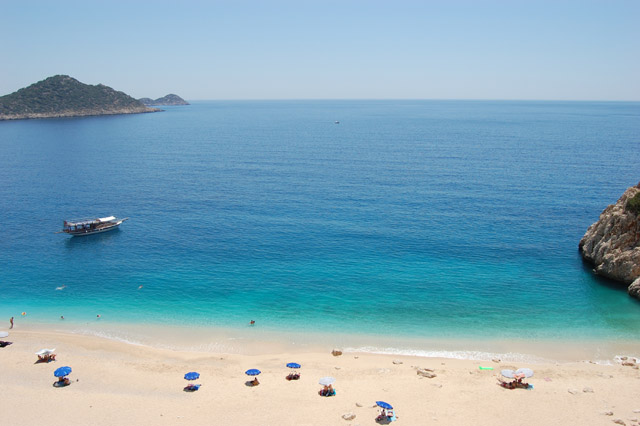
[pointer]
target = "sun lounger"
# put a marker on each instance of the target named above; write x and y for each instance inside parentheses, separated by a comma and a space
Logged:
(386, 418)
(61, 383)
(191, 388)
(514, 384)
(46, 355)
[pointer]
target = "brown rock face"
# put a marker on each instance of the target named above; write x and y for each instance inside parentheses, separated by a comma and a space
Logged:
(634, 288)
(612, 244)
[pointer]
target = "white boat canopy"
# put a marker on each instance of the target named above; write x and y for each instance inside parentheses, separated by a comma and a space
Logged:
(107, 219)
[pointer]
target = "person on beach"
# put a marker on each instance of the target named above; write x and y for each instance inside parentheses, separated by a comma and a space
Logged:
(63, 381)
(327, 391)
(255, 382)
(514, 384)
(11, 322)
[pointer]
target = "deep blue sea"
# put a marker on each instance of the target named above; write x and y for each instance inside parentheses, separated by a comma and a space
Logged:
(429, 219)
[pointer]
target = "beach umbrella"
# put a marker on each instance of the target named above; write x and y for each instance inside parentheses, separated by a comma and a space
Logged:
(527, 372)
(42, 352)
(293, 365)
(4, 334)
(191, 376)
(384, 405)
(62, 371)
(326, 381)
(252, 372)
(507, 373)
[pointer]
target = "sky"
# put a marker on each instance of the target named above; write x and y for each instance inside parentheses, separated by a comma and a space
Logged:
(347, 49)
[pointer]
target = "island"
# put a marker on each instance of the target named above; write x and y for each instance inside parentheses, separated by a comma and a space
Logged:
(612, 244)
(64, 96)
(168, 100)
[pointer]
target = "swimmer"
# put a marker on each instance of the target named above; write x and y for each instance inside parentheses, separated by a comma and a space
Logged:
(61, 316)
(252, 322)
(61, 287)
(139, 287)
(98, 316)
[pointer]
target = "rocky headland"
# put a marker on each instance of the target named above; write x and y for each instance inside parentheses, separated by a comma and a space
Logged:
(168, 100)
(612, 244)
(64, 96)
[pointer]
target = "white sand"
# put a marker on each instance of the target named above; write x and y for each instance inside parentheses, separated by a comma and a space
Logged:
(115, 383)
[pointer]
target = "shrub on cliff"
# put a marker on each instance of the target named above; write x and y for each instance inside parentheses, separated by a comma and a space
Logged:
(633, 204)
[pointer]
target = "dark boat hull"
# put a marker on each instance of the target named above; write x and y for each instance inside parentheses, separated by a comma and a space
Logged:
(85, 232)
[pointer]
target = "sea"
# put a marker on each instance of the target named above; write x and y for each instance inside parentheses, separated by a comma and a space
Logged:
(425, 227)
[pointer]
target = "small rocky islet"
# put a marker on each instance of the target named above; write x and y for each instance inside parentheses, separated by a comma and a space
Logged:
(168, 100)
(612, 244)
(64, 96)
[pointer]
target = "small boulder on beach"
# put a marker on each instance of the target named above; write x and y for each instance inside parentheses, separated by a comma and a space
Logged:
(348, 416)
(426, 372)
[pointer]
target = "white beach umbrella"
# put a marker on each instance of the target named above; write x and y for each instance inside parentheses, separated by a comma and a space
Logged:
(527, 372)
(4, 334)
(45, 351)
(507, 373)
(326, 381)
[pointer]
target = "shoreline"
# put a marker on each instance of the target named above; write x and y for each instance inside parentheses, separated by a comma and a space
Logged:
(257, 340)
(145, 383)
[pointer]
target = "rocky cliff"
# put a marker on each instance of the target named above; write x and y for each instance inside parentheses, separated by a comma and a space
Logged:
(612, 244)
(64, 96)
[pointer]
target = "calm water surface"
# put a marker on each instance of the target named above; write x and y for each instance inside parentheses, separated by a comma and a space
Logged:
(434, 219)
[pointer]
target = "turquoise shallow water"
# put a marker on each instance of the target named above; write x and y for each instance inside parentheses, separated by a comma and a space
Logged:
(427, 219)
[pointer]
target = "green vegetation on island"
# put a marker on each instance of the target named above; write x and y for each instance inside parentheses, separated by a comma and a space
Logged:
(64, 96)
(633, 204)
(170, 99)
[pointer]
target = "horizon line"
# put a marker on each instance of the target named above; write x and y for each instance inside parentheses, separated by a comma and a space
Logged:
(411, 99)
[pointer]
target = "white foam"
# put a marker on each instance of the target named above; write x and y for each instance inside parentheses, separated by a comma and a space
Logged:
(619, 360)
(450, 354)
(109, 336)
(235, 342)
(121, 336)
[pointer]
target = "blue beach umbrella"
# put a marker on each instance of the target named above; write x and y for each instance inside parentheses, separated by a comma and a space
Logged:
(191, 376)
(62, 371)
(293, 365)
(252, 372)
(384, 405)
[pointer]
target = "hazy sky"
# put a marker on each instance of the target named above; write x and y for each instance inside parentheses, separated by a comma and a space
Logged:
(299, 49)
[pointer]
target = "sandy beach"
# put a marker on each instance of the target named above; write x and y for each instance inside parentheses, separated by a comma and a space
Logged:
(116, 383)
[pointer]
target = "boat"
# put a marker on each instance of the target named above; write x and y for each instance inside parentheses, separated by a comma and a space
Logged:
(84, 227)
